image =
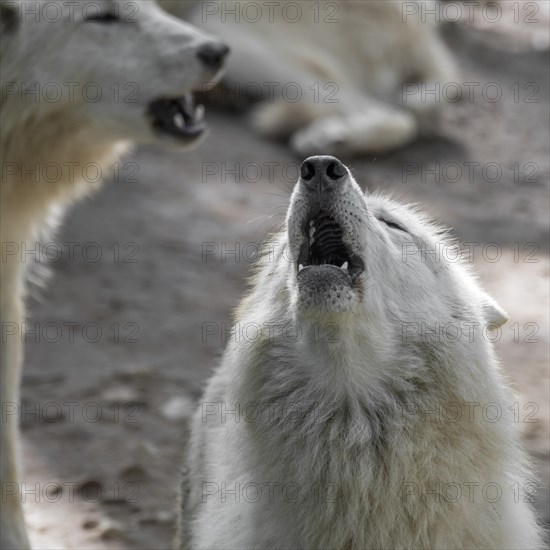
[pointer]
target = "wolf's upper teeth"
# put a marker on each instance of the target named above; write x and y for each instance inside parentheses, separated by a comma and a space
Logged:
(344, 265)
(199, 113)
(179, 121)
(300, 267)
(311, 231)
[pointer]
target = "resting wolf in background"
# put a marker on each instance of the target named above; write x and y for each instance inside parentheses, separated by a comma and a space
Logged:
(364, 69)
(156, 60)
(348, 422)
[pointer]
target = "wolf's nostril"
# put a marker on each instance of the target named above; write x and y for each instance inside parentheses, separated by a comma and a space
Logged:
(213, 54)
(336, 170)
(307, 171)
(323, 174)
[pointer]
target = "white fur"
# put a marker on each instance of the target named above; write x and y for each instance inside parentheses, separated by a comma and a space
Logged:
(155, 55)
(347, 407)
(370, 49)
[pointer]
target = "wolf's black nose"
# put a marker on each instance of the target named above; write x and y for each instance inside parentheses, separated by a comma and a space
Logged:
(213, 54)
(322, 173)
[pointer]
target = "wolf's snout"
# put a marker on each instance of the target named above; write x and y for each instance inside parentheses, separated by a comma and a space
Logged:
(213, 54)
(322, 173)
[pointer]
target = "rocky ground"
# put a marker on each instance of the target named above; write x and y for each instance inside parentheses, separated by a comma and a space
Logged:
(106, 404)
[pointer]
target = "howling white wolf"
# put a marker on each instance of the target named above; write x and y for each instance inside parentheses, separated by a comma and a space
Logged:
(363, 408)
(81, 82)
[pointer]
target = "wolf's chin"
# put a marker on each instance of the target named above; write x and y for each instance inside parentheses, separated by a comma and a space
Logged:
(326, 289)
(174, 144)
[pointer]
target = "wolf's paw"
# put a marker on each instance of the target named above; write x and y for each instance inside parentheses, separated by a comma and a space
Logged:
(372, 131)
(325, 136)
(277, 119)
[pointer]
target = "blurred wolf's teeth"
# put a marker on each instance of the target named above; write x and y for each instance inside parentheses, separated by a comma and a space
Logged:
(179, 121)
(199, 113)
(344, 266)
(311, 231)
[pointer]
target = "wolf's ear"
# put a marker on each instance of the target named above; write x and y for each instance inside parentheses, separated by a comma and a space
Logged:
(494, 314)
(9, 15)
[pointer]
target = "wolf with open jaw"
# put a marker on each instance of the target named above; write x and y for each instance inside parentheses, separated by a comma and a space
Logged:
(82, 82)
(324, 436)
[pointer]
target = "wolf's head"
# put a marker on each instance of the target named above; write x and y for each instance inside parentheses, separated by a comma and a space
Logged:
(353, 254)
(379, 398)
(368, 280)
(112, 70)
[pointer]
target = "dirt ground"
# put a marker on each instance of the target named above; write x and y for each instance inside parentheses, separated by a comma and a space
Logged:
(106, 405)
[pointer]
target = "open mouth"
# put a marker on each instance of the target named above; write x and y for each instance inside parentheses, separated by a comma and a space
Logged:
(178, 117)
(324, 246)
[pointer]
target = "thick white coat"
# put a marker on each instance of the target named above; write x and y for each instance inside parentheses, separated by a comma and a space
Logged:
(74, 95)
(351, 423)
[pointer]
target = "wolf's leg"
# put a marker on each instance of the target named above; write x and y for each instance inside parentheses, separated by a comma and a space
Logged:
(12, 523)
(280, 119)
(369, 127)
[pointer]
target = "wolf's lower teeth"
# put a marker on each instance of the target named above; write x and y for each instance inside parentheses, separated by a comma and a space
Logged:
(199, 113)
(179, 121)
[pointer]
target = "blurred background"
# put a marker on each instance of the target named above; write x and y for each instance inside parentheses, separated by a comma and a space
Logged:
(160, 258)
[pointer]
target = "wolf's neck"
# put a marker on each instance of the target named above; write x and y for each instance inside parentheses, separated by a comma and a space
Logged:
(43, 175)
(338, 358)
(40, 178)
